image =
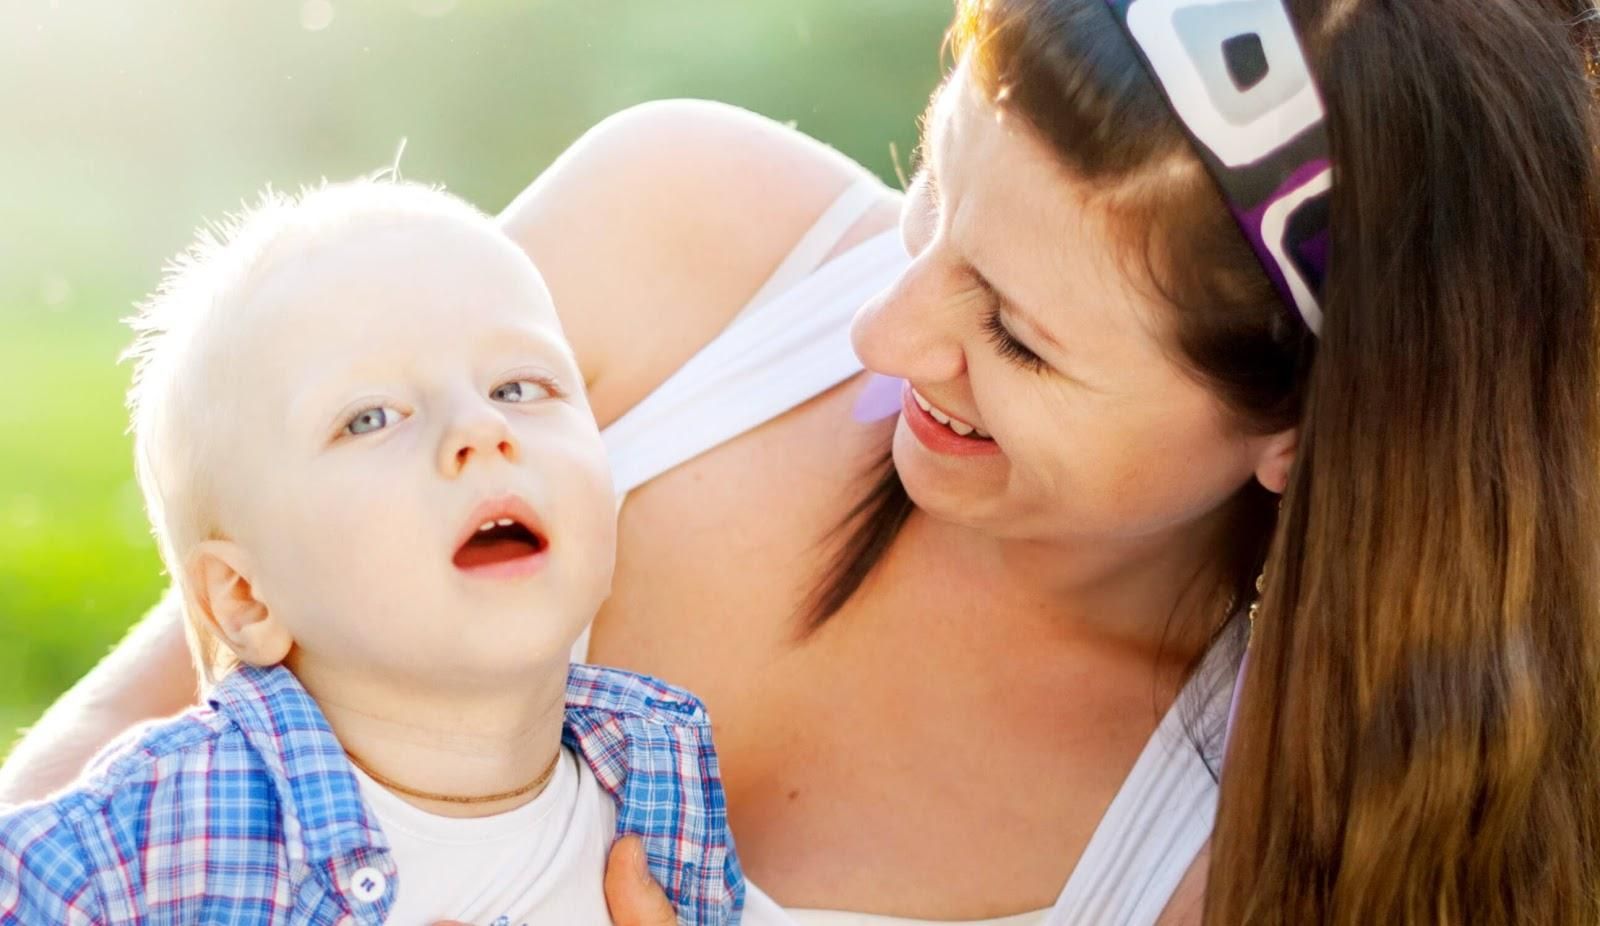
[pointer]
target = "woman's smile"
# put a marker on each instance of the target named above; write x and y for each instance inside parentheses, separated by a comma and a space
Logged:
(950, 435)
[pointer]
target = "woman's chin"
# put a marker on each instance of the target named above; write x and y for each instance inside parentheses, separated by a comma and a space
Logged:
(943, 488)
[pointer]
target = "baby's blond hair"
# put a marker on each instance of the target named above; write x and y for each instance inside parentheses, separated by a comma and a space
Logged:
(178, 352)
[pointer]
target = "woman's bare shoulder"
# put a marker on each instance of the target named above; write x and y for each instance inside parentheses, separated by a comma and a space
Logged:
(658, 224)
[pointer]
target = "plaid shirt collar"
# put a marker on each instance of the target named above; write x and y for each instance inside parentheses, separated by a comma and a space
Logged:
(648, 744)
(325, 818)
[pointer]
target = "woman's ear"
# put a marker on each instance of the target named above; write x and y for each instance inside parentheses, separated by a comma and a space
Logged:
(1277, 458)
(219, 580)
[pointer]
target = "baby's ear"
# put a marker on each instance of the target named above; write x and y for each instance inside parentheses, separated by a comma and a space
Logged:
(219, 580)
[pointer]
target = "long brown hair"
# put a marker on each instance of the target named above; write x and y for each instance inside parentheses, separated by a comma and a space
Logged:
(1418, 739)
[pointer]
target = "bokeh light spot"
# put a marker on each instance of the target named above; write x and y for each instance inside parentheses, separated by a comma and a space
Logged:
(316, 15)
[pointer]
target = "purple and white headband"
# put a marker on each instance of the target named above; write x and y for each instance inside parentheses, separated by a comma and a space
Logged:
(1237, 78)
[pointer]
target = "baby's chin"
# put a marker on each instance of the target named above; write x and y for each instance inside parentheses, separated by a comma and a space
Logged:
(429, 623)
(486, 655)
(498, 641)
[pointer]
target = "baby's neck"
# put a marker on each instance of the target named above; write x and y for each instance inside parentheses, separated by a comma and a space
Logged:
(458, 743)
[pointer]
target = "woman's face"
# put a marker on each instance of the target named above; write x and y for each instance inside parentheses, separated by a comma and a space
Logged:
(1022, 319)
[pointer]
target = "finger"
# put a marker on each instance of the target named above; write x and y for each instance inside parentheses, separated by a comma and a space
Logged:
(633, 896)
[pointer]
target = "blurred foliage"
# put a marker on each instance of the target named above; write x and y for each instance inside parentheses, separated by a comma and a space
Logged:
(127, 122)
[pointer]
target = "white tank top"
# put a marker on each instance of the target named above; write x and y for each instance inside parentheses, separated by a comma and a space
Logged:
(790, 343)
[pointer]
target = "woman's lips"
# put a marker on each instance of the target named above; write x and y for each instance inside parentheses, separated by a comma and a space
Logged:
(938, 437)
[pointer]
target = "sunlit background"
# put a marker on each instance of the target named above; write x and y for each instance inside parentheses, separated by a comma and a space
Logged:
(123, 123)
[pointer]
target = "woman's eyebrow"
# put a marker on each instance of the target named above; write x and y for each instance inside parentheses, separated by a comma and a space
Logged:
(928, 166)
(1011, 308)
(1008, 300)
(1014, 308)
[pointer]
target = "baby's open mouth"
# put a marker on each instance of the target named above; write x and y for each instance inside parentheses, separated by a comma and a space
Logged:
(502, 539)
(498, 541)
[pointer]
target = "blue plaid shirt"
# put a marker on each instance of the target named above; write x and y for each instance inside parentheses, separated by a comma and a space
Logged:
(247, 812)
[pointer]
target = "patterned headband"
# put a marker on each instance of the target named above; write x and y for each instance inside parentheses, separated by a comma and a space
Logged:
(1237, 79)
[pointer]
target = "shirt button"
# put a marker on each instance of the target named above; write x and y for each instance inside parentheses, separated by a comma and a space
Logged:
(368, 884)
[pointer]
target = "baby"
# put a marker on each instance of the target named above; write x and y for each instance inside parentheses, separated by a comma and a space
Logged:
(373, 472)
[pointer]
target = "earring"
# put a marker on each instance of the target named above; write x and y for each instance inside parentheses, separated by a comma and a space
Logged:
(1255, 606)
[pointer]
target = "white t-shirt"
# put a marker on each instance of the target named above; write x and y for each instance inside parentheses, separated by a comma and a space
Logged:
(541, 863)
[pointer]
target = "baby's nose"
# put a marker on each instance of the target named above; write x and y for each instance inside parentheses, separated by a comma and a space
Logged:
(475, 438)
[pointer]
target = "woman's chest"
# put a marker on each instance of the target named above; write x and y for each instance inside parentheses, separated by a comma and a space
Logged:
(902, 759)
(716, 556)
(921, 775)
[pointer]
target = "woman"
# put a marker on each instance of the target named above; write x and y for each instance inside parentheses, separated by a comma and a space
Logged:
(1009, 671)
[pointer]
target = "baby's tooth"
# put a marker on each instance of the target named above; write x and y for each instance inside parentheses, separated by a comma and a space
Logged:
(961, 428)
(921, 402)
(486, 526)
(504, 522)
(939, 416)
(982, 433)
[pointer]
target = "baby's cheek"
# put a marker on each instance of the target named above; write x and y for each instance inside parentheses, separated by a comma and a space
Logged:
(583, 471)
(328, 532)
(598, 517)
(588, 516)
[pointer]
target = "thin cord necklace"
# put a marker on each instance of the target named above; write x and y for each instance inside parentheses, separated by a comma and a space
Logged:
(393, 785)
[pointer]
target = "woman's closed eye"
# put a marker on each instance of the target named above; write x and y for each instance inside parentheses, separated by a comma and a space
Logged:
(1007, 345)
(376, 418)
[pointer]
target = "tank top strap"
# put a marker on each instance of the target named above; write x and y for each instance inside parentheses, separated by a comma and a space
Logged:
(819, 240)
(789, 344)
(1162, 816)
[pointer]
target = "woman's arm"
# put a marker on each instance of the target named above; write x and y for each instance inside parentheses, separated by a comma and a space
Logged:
(657, 226)
(148, 675)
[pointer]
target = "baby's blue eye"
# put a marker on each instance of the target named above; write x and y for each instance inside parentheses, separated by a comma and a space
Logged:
(373, 419)
(521, 390)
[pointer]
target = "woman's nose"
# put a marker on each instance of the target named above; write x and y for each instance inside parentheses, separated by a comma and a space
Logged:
(475, 436)
(913, 329)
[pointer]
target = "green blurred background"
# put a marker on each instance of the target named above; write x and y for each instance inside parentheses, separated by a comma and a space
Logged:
(123, 123)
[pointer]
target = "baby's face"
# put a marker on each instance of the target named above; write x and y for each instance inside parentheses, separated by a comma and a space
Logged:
(415, 471)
